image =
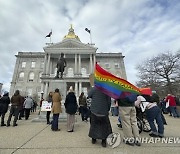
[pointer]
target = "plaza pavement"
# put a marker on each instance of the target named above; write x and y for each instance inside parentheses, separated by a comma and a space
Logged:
(37, 138)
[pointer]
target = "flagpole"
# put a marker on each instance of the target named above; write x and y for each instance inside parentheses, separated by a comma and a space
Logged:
(90, 38)
(50, 35)
(89, 31)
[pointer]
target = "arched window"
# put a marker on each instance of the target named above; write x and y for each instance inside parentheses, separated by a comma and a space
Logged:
(31, 76)
(84, 72)
(70, 72)
(21, 76)
(118, 75)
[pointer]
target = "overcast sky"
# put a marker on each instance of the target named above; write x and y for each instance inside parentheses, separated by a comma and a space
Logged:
(137, 28)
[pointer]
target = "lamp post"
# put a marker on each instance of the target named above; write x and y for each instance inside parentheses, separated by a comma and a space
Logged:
(42, 93)
(40, 104)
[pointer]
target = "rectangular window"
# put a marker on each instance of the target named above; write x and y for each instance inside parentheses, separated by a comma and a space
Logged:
(33, 64)
(42, 65)
(107, 65)
(116, 65)
(23, 64)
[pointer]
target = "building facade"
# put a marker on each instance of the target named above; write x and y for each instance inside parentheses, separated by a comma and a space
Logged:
(34, 72)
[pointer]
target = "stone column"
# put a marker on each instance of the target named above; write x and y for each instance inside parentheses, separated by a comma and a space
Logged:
(46, 90)
(76, 89)
(50, 69)
(42, 87)
(75, 69)
(79, 64)
(48, 64)
(80, 87)
(94, 55)
(91, 64)
(45, 61)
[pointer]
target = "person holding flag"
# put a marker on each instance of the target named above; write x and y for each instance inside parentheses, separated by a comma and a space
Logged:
(125, 93)
(100, 126)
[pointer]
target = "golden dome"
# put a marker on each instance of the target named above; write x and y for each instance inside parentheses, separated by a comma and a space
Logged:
(71, 34)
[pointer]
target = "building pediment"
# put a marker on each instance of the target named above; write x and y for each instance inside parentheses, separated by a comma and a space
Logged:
(70, 43)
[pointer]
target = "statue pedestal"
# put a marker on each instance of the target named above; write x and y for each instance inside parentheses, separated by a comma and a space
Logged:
(42, 116)
(61, 85)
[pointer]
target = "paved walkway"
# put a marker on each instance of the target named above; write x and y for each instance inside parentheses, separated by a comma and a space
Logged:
(36, 137)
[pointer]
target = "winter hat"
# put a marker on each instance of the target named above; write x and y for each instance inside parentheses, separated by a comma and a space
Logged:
(71, 89)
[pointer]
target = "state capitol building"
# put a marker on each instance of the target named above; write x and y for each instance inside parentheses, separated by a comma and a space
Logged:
(34, 72)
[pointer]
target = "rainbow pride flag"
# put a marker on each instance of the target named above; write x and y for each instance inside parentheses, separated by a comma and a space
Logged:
(113, 86)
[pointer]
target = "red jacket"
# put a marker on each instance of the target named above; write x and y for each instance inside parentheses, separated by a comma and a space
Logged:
(172, 101)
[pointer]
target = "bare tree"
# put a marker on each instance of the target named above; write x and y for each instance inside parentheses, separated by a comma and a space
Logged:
(160, 71)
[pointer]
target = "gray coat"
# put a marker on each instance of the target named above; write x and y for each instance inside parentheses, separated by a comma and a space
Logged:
(100, 103)
(28, 103)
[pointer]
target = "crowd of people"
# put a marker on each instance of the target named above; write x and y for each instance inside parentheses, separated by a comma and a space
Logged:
(98, 112)
(20, 107)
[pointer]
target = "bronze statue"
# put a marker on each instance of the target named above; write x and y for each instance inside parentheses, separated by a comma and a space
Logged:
(61, 64)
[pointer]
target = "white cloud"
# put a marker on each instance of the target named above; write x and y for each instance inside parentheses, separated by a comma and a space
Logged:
(139, 29)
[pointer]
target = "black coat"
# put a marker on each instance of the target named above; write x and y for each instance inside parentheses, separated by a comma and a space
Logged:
(71, 103)
(4, 103)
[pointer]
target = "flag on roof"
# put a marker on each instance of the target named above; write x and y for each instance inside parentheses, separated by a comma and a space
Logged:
(88, 30)
(49, 35)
